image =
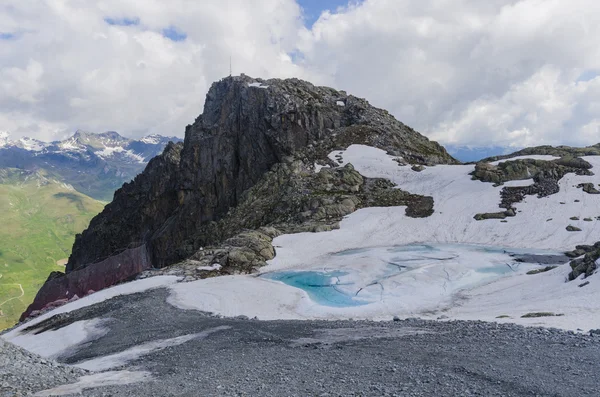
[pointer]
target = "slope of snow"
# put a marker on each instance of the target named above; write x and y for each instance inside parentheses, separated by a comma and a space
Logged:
(82, 330)
(71, 145)
(119, 359)
(151, 139)
(108, 152)
(54, 343)
(576, 307)
(31, 144)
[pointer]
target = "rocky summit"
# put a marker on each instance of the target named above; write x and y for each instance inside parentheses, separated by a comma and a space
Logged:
(248, 162)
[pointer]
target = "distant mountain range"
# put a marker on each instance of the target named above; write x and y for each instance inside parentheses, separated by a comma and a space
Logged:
(94, 164)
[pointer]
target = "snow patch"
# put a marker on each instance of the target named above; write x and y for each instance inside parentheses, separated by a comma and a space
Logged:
(340, 103)
(54, 343)
(319, 167)
(31, 144)
(151, 139)
(120, 359)
(214, 266)
(258, 85)
(545, 157)
(113, 378)
(110, 152)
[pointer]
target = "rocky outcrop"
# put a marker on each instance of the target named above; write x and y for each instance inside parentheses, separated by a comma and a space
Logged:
(588, 188)
(588, 264)
(248, 127)
(545, 175)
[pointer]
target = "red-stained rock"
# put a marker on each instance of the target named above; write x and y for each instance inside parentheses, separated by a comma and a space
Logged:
(95, 277)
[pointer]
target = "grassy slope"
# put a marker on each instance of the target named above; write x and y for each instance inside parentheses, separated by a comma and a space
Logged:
(38, 222)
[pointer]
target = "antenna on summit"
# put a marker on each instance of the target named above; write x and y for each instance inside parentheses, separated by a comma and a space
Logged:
(230, 66)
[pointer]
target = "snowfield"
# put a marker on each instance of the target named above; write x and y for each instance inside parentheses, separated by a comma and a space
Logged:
(453, 288)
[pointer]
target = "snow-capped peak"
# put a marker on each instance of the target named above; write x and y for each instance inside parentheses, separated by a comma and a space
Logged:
(153, 139)
(31, 144)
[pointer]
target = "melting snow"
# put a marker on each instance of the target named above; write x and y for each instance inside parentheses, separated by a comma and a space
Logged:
(546, 157)
(54, 343)
(113, 378)
(122, 358)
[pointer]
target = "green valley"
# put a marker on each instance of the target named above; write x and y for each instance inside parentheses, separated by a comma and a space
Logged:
(39, 218)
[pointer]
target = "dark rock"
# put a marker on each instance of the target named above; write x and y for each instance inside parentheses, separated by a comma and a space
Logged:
(588, 188)
(417, 168)
(583, 284)
(586, 265)
(572, 228)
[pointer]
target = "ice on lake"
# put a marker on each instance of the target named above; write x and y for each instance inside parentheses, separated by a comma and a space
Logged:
(361, 276)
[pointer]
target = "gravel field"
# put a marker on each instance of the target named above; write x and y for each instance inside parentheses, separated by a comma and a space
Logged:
(240, 357)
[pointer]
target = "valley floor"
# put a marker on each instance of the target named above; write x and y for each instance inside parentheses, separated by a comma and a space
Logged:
(166, 351)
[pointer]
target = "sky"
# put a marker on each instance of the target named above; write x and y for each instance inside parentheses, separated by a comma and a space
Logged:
(494, 73)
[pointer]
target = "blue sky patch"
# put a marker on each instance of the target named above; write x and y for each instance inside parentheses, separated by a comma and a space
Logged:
(588, 75)
(7, 36)
(174, 34)
(314, 8)
(122, 21)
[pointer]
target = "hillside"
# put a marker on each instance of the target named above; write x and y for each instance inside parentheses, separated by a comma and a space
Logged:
(39, 218)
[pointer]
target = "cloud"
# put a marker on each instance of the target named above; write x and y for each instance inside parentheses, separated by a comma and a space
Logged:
(134, 66)
(464, 72)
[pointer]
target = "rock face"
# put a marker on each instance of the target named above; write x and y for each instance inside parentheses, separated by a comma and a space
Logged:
(247, 127)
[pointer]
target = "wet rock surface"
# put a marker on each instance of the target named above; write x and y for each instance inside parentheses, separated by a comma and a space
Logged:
(349, 358)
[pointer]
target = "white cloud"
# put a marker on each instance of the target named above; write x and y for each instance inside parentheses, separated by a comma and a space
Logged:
(499, 72)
